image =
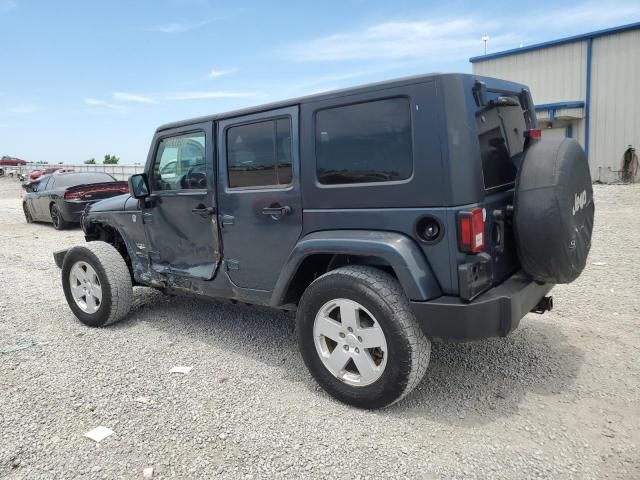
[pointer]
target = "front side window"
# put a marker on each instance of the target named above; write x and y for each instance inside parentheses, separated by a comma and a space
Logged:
(365, 142)
(180, 163)
(259, 154)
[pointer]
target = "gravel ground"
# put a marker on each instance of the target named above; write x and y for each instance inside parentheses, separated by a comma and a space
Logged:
(558, 398)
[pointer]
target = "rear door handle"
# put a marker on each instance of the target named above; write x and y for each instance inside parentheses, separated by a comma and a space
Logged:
(276, 210)
(202, 210)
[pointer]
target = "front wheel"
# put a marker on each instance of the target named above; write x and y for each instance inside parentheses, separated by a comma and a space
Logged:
(97, 284)
(359, 338)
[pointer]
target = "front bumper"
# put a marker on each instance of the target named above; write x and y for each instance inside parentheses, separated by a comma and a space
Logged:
(495, 313)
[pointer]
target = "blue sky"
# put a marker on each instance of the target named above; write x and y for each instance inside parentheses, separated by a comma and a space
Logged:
(79, 79)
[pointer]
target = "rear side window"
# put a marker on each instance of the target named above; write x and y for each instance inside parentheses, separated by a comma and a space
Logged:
(365, 142)
(259, 154)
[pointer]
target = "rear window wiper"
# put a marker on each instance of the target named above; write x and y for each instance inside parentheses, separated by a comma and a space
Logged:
(504, 102)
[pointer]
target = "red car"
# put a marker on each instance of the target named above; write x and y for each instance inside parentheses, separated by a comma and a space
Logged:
(36, 174)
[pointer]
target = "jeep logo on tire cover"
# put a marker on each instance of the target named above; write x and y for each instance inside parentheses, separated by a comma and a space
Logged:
(580, 201)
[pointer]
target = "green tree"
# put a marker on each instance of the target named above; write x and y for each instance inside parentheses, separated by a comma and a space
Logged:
(91, 161)
(110, 159)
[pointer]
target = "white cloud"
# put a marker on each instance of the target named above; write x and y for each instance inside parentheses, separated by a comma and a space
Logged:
(94, 102)
(179, 27)
(23, 109)
(131, 97)
(390, 40)
(456, 37)
(219, 73)
(199, 95)
(339, 79)
(6, 5)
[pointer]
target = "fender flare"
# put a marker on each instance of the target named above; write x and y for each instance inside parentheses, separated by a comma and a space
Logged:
(398, 250)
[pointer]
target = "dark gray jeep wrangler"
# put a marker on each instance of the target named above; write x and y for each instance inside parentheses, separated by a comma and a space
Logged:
(384, 215)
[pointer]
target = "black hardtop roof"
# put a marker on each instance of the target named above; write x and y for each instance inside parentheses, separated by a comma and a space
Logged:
(315, 97)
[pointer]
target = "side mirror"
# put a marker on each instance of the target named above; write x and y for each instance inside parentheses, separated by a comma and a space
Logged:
(139, 185)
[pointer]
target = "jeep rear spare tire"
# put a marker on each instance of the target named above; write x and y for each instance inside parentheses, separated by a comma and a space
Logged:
(96, 284)
(553, 210)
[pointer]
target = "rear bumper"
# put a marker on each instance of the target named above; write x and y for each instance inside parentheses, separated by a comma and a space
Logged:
(71, 211)
(495, 313)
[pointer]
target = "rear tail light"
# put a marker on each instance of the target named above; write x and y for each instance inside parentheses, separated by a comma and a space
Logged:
(533, 134)
(471, 230)
(78, 194)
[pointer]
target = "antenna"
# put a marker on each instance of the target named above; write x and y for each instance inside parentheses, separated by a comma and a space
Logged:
(485, 39)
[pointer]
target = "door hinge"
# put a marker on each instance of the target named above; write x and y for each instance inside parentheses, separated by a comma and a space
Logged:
(228, 219)
(231, 265)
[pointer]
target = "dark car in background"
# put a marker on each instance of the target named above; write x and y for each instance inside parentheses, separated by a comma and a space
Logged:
(60, 198)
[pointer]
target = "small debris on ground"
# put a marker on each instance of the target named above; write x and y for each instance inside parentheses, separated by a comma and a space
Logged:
(183, 370)
(147, 473)
(143, 400)
(99, 433)
(22, 346)
(222, 379)
(599, 264)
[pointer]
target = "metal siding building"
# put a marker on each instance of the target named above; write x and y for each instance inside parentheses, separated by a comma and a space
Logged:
(583, 86)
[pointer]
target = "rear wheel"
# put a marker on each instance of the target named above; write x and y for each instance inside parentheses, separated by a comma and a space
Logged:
(27, 213)
(59, 223)
(97, 284)
(359, 338)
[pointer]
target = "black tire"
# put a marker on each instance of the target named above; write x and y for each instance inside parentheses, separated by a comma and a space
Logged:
(114, 277)
(554, 211)
(59, 223)
(408, 349)
(27, 213)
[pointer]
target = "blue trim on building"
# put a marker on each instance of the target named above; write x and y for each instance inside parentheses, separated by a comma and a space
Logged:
(553, 43)
(569, 131)
(587, 98)
(560, 105)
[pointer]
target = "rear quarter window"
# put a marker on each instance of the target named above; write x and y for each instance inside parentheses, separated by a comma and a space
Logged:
(365, 142)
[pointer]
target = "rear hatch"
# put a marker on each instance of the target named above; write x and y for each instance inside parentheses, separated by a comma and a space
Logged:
(95, 191)
(504, 121)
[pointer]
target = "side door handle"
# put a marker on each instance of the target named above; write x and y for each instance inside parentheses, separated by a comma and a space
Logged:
(202, 210)
(276, 211)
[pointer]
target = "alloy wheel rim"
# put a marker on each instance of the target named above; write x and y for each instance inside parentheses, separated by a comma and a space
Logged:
(86, 289)
(350, 342)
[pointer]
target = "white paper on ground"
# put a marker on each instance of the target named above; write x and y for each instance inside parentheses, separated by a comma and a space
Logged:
(98, 433)
(183, 370)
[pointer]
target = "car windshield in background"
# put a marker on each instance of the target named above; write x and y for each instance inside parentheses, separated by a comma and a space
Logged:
(71, 179)
(501, 128)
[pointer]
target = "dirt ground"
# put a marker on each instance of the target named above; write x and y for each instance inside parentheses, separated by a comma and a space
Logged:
(559, 398)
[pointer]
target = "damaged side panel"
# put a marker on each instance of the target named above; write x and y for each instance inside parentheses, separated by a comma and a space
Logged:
(109, 227)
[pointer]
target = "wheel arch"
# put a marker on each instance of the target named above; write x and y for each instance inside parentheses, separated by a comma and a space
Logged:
(320, 252)
(111, 234)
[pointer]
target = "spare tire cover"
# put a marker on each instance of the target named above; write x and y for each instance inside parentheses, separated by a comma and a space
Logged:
(553, 210)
